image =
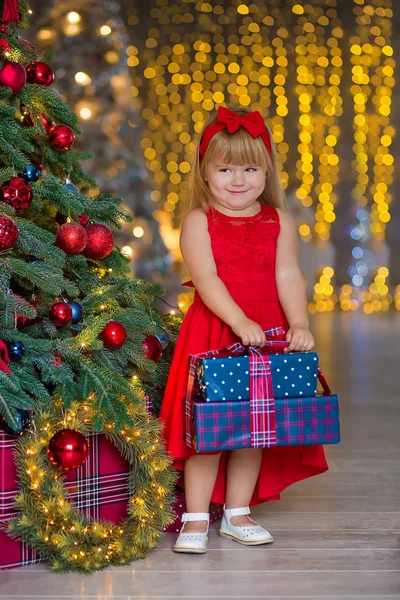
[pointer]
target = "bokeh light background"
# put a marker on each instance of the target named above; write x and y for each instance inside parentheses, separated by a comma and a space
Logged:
(323, 75)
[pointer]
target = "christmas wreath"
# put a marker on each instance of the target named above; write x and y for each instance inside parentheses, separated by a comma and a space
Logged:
(58, 531)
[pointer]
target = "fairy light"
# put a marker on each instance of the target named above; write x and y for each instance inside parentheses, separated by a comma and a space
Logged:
(82, 78)
(127, 251)
(319, 74)
(372, 77)
(73, 17)
(85, 113)
(200, 71)
(138, 232)
(105, 30)
(192, 63)
(324, 298)
(46, 35)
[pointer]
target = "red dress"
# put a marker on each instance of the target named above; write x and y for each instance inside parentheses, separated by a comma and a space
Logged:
(244, 250)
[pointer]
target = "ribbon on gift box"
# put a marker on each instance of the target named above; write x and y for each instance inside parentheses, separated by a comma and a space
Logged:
(262, 403)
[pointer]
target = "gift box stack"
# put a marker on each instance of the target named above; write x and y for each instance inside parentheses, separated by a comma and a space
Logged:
(240, 398)
(99, 488)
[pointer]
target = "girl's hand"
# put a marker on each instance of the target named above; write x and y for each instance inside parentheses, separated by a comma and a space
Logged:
(300, 338)
(249, 332)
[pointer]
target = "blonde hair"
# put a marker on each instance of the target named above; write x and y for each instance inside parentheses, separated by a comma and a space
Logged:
(238, 148)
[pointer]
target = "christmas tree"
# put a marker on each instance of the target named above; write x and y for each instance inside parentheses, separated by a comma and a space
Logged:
(81, 345)
(91, 48)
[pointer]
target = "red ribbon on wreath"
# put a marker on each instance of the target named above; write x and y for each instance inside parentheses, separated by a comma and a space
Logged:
(4, 358)
(10, 11)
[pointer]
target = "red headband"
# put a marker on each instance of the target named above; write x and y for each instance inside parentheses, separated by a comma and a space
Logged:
(227, 119)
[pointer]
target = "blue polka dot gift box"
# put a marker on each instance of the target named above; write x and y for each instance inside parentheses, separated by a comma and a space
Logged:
(228, 378)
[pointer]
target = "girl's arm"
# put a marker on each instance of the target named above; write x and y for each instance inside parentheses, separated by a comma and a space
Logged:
(291, 285)
(195, 244)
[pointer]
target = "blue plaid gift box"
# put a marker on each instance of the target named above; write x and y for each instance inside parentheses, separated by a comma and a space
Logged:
(217, 426)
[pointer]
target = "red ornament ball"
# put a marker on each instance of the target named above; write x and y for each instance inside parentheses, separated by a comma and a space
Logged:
(39, 73)
(113, 335)
(71, 238)
(8, 233)
(12, 75)
(153, 348)
(100, 241)
(61, 137)
(68, 449)
(17, 192)
(60, 313)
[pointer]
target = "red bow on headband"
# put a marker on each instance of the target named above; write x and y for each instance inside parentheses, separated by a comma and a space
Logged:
(252, 122)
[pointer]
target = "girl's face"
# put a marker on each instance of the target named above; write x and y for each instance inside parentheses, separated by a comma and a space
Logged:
(235, 187)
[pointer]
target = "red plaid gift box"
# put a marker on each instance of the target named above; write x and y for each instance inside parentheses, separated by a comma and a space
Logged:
(99, 488)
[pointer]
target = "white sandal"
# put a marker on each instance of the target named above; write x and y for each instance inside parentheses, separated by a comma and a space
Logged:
(193, 542)
(249, 535)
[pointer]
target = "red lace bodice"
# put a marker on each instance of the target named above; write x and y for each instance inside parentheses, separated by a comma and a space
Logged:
(244, 251)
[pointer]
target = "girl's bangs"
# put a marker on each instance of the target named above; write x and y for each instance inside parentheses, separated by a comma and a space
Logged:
(239, 148)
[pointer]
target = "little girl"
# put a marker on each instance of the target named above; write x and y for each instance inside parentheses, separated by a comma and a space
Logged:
(240, 247)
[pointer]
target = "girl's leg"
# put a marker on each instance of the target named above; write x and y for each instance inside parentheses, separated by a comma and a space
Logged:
(200, 475)
(242, 474)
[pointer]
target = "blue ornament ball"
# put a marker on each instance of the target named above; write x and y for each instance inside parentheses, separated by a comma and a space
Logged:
(31, 173)
(72, 188)
(16, 350)
(22, 421)
(162, 336)
(77, 312)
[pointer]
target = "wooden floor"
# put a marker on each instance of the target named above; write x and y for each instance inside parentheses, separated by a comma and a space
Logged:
(337, 535)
